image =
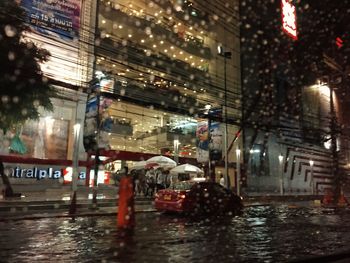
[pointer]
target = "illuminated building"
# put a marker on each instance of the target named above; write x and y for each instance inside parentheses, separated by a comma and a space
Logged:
(61, 28)
(286, 83)
(158, 70)
(158, 62)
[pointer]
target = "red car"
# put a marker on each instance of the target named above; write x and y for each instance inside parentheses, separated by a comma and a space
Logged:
(198, 198)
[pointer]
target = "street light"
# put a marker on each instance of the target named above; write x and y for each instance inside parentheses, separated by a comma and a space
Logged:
(312, 176)
(226, 55)
(238, 166)
(280, 158)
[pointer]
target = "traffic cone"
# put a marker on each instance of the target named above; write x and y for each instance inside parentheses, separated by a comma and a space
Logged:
(327, 198)
(342, 200)
(73, 204)
(126, 210)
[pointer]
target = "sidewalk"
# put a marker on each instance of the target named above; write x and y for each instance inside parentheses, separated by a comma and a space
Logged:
(56, 203)
(65, 192)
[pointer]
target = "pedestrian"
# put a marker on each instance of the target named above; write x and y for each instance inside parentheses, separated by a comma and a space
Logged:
(150, 181)
(160, 182)
(126, 209)
(167, 179)
(135, 180)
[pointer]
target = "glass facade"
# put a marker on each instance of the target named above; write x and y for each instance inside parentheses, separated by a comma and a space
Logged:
(158, 64)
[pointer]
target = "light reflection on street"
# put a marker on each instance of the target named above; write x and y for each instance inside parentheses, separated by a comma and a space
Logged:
(261, 234)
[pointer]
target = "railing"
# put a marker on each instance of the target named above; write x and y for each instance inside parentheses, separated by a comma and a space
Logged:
(189, 45)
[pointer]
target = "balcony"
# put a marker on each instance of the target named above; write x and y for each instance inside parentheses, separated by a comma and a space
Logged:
(135, 55)
(192, 46)
(150, 95)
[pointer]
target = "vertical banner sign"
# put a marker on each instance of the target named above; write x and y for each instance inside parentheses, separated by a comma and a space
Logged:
(98, 121)
(90, 123)
(59, 18)
(289, 19)
(106, 122)
(202, 141)
(215, 142)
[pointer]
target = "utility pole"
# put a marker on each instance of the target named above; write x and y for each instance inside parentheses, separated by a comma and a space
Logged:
(335, 162)
(330, 62)
(226, 55)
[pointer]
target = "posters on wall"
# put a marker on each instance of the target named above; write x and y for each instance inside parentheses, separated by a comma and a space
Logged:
(215, 143)
(90, 123)
(209, 141)
(60, 18)
(46, 138)
(202, 141)
(98, 121)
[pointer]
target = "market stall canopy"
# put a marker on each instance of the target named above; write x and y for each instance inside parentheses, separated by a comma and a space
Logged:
(160, 161)
(186, 169)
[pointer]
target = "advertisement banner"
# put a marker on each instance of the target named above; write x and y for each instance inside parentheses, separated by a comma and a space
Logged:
(97, 111)
(216, 142)
(44, 138)
(202, 141)
(59, 18)
(90, 123)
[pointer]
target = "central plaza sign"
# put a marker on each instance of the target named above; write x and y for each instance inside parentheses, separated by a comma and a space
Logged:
(42, 173)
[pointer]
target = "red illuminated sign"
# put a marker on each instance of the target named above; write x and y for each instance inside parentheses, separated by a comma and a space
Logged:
(289, 19)
(339, 42)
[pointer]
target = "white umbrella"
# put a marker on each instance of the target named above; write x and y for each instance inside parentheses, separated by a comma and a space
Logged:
(160, 161)
(186, 168)
(139, 165)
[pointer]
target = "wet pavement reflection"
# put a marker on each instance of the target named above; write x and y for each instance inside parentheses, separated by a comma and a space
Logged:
(261, 234)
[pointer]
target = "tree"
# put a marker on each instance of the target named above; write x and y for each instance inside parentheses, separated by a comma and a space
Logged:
(23, 85)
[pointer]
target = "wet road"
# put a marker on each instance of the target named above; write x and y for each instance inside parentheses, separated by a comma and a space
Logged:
(261, 234)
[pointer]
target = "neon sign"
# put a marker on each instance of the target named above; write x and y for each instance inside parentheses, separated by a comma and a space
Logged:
(40, 173)
(339, 42)
(289, 23)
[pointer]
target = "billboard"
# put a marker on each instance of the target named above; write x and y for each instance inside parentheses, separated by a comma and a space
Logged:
(215, 142)
(59, 18)
(202, 141)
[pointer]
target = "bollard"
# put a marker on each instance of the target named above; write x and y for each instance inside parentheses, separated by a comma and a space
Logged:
(328, 198)
(342, 202)
(126, 210)
(73, 204)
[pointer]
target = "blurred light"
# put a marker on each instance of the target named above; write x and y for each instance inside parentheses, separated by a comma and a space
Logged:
(289, 19)
(280, 158)
(339, 42)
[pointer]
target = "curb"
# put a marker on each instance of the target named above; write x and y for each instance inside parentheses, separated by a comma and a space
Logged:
(67, 215)
(95, 211)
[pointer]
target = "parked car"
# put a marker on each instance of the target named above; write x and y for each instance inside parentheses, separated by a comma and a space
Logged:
(198, 198)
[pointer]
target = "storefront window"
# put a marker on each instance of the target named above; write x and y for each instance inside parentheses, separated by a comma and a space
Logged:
(46, 138)
(141, 129)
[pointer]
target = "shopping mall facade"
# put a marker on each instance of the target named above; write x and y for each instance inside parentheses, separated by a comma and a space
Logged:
(154, 69)
(163, 87)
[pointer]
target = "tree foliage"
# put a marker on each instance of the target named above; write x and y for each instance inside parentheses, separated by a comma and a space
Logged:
(23, 86)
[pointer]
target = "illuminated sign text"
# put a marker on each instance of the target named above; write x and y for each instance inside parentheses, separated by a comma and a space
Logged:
(289, 23)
